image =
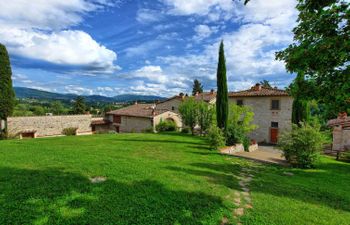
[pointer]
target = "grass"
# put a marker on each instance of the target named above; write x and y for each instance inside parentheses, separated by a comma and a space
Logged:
(158, 179)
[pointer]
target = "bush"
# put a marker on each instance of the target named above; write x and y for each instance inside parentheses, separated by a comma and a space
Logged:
(215, 137)
(148, 130)
(234, 135)
(246, 143)
(70, 131)
(167, 125)
(302, 145)
(185, 130)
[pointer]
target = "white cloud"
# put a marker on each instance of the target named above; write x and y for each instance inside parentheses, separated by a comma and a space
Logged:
(72, 48)
(38, 30)
(74, 89)
(43, 14)
(203, 31)
(199, 7)
(265, 27)
(147, 16)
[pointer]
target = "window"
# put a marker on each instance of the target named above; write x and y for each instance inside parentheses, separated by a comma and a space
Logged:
(275, 104)
(239, 102)
(274, 124)
(117, 119)
(173, 108)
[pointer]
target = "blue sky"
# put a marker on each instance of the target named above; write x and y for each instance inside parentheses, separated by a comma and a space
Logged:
(151, 47)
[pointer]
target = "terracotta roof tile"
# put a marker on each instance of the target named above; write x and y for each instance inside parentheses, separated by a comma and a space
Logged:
(258, 90)
(206, 96)
(100, 122)
(139, 110)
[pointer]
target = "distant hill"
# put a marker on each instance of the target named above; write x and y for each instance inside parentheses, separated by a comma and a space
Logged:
(22, 92)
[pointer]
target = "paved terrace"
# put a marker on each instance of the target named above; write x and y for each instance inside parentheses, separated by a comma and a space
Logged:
(265, 154)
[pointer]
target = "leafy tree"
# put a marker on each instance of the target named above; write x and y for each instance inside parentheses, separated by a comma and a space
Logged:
(321, 51)
(197, 87)
(79, 106)
(57, 108)
(189, 113)
(222, 92)
(265, 84)
(37, 110)
(239, 124)
(205, 115)
(7, 94)
(302, 145)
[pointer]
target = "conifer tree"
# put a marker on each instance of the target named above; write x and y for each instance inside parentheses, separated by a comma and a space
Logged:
(222, 92)
(7, 94)
(197, 87)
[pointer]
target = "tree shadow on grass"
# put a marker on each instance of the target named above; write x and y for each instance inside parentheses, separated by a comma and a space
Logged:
(328, 186)
(158, 141)
(220, 174)
(53, 196)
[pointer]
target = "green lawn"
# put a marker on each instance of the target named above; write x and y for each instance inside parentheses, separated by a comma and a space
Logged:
(158, 179)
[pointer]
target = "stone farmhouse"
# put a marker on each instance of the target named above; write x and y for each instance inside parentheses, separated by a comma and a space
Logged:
(272, 111)
(173, 103)
(272, 108)
(135, 118)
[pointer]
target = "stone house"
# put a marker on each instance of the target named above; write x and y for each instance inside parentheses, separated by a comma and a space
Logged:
(172, 104)
(341, 132)
(135, 118)
(272, 111)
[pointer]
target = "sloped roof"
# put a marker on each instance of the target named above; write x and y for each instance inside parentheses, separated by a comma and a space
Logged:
(342, 120)
(259, 90)
(205, 96)
(139, 110)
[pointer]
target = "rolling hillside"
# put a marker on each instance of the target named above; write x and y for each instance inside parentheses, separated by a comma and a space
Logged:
(22, 92)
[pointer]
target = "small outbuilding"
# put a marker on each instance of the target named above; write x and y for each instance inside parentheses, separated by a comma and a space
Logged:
(341, 132)
(140, 117)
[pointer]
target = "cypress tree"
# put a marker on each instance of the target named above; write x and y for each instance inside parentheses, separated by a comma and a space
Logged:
(222, 92)
(7, 94)
(301, 107)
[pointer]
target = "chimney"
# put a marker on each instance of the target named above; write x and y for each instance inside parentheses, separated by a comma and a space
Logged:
(197, 93)
(212, 91)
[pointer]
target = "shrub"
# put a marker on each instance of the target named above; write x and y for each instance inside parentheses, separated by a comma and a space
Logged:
(167, 125)
(234, 135)
(215, 137)
(148, 130)
(302, 145)
(185, 130)
(246, 143)
(70, 131)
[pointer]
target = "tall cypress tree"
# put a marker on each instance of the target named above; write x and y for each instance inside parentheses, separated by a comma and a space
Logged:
(301, 107)
(7, 94)
(222, 92)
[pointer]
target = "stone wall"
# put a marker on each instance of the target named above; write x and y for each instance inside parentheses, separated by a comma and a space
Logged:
(171, 105)
(49, 125)
(263, 115)
(134, 124)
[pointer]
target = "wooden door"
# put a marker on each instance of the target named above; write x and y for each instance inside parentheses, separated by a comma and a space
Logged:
(273, 135)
